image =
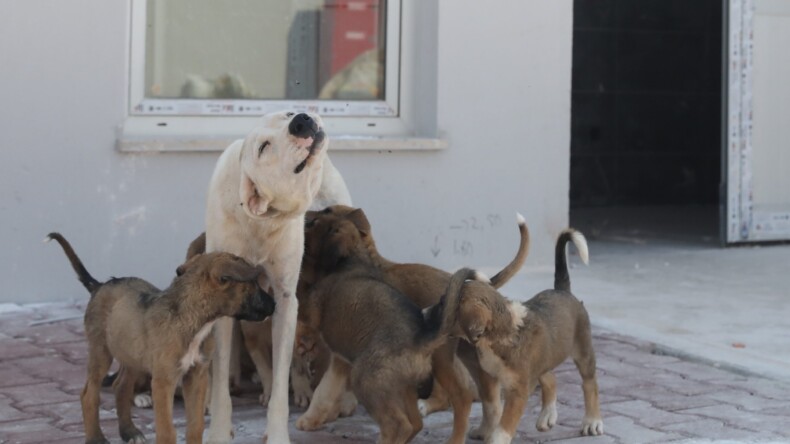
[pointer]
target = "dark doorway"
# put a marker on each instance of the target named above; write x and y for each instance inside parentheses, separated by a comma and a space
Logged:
(646, 118)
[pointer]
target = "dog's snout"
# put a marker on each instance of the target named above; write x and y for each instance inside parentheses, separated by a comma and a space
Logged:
(303, 126)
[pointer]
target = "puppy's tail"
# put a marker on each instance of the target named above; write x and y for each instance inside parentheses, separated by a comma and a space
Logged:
(442, 317)
(512, 268)
(562, 280)
(82, 274)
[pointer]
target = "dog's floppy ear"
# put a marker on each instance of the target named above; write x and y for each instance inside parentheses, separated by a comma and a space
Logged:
(358, 218)
(250, 198)
(235, 269)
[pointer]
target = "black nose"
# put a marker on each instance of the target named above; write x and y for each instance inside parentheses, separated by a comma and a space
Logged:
(303, 126)
(257, 307)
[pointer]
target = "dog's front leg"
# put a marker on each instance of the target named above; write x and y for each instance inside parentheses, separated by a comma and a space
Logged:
(285, 275)
(194, 384)
(515, 402)
(221, 428)
(163, 388)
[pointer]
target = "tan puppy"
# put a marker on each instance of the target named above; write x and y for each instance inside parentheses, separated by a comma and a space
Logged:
(518, 345)
(165, 334)
(422, 284)
(374, 328)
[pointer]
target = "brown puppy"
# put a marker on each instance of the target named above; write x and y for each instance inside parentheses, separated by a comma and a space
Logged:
(518, 345)
(165, 334)
(423, 285)
(374, 328)
(310, 359)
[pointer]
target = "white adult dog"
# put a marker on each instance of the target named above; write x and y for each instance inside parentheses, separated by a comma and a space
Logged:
(259, 192)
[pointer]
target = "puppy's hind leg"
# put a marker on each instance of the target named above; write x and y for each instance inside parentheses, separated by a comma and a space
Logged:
(548, 413)
(327, 397)
(124, 394)
(584, 358)
(454, 381)
(99, 360)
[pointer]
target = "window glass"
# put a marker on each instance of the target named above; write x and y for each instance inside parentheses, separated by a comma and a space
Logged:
(265, 50)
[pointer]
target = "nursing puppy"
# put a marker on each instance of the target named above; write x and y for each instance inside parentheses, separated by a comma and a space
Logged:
(257, 197)
(164, 334)
(518, 345)
(375, 329)
(421, 284)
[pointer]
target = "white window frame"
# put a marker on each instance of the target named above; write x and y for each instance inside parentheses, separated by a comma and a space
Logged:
(395, 129)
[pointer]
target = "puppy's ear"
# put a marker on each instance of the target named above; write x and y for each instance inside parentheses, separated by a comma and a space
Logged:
(186, 265)
(358, 218)
(252, 201)
(197, 246)
(235, 269)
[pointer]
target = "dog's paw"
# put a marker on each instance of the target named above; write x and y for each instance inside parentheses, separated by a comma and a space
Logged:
(133, 436)
(422, 406)
(264, 398)
(547, 418)
(302, 399)
(478, 433)
(592, 426)
(498, 436)
(307, 424)
(143, 400)
(348, 404)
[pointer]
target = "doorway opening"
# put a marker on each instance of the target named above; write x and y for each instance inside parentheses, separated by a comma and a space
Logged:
(646, 152)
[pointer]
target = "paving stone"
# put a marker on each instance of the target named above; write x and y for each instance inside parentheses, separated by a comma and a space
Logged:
(10, 413)
(37, 430)
(28, 395)
(13, 376)
(715, 429)
(646, 414)
(748, 401)
(16, 348)
(734, 417)
(48, 334)
(628, 431)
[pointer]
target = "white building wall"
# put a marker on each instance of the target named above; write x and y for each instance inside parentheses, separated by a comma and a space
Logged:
(503, 92)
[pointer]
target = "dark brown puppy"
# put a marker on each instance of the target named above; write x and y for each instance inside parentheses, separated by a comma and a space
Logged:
(518, 345)
(374, 328)
(423, 285)
(165, 334)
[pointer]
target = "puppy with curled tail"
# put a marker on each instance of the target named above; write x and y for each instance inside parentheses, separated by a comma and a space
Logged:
(518, 345)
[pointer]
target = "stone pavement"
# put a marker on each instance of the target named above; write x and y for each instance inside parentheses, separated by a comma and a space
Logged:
(646, 396)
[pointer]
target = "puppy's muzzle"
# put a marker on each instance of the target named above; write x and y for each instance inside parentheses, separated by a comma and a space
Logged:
(256, 307)
(303, 126)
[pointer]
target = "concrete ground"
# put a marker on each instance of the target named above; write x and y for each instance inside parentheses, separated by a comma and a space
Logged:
(692, 345)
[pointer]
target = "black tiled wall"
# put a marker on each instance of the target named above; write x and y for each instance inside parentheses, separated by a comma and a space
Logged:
(646, 98)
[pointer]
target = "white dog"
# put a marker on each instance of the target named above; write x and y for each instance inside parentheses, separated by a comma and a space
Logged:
(259, 192)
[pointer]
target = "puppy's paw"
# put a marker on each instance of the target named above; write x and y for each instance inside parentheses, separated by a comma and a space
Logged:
(592, 426)
(547, 418)
(422, 406)
(478, 433)
(133, 436)
(302, 399)
(498, 436)
(348, 404)
(308, 423)
(264, 398)
(143, 400)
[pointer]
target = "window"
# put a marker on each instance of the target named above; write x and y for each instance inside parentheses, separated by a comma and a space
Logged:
(209, 68)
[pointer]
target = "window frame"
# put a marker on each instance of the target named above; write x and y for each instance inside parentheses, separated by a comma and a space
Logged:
(399, 95)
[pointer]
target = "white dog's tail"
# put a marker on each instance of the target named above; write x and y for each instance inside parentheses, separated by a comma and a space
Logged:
(562, 280)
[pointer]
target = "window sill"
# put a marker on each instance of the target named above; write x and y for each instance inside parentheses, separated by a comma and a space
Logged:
(143, 144)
